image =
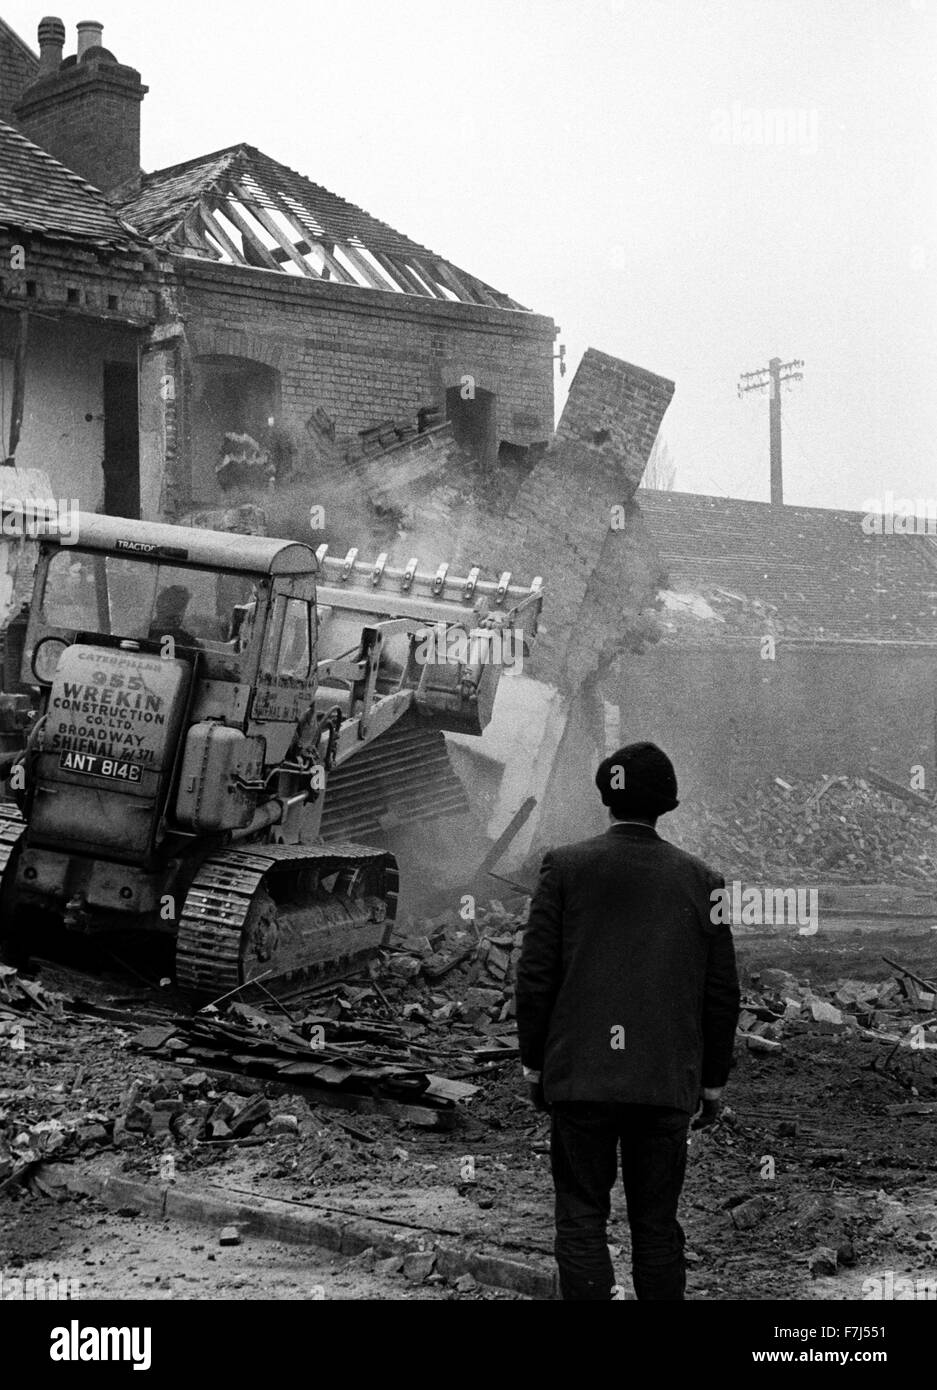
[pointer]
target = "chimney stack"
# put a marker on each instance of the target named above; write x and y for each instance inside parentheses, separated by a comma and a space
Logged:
(90, 34)
(51, 45)
(86, 110)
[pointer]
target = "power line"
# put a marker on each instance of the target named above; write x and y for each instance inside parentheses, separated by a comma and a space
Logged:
(771, 377)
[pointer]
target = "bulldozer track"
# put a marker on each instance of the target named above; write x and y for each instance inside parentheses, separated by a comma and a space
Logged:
(210, 939)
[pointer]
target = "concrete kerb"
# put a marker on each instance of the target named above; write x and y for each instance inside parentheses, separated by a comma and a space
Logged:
(271, 1219)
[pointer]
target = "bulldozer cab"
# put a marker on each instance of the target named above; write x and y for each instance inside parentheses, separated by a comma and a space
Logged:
(226, 602)
(138, 634)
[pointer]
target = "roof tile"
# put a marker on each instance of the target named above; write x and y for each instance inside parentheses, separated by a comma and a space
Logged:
(42, 196)
(815, 566)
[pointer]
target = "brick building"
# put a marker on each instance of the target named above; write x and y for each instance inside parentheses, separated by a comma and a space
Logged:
(283, 322)
(79, 291)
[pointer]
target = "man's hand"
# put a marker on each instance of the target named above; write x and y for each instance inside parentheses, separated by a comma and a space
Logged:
(537, 1099)
(710, 1108)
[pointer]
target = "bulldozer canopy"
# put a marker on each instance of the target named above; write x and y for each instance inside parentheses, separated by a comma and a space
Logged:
(188, 545)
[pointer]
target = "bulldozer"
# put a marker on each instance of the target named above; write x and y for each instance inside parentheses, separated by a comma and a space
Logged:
(198, 689)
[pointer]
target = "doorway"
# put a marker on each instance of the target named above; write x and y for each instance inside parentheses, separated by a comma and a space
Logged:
(121, 440)
(474, 423)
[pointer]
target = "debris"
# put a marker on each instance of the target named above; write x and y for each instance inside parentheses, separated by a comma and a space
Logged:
(418, 1265)
(749, 1213)
(513, 827)
(778, 830)
(886, 784)
(248, 1116)
(922, 984)
(822, 1012)
(822, 1262)
(152, 1039)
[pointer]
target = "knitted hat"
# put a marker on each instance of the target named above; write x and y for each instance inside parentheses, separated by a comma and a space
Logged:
(638, 780)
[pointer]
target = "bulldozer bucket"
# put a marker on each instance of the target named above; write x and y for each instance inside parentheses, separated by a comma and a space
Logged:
(431, 597)
(449, 638)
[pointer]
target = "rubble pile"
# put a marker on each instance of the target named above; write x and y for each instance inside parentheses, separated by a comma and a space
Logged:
(337, 1045)
(825, 828)
(901, 1011)
(48, 1106)
(460, 970)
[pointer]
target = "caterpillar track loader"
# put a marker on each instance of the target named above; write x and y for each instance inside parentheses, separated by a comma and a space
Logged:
(198, 688)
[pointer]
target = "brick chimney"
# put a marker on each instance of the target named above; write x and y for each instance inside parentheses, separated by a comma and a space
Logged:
(51, 45)
(85, 110)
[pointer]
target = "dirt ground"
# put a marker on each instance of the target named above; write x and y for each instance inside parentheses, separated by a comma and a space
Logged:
(818, 1149)
(133, 1257)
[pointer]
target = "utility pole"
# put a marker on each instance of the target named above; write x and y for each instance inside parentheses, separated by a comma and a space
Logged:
(772, 376)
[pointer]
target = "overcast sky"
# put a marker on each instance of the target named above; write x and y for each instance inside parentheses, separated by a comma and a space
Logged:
(620, 166)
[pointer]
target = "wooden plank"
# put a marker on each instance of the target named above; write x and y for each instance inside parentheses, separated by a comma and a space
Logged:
(428, 272)
(265, 220)
(422, 276)
(507, 835)
(408, 275)
(335, 266)
(194, 229)
(483, 295)
(220, 234)
(386, 264)
(377, 281)
(447, 275)
(886, 784)
(19, 382)
(235, 215)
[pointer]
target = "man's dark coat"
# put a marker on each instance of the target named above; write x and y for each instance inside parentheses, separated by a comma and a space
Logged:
(626, 989)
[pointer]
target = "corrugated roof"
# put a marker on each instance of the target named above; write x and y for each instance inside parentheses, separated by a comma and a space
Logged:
(239, 206)
(41, 196)
(815, 566)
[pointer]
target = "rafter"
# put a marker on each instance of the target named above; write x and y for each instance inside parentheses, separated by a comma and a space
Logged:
(291, 249)
(213, 227)
(233, 212)
(375, 279)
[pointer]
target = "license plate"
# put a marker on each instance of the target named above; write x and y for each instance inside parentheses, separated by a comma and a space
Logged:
(94, 765)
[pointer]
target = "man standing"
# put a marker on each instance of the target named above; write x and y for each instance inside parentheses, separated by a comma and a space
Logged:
(627, 1004)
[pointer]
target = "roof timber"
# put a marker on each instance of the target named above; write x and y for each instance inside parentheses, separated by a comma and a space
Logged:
(276, 220)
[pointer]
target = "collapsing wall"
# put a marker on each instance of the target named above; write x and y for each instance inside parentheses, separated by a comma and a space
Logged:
(570, 522)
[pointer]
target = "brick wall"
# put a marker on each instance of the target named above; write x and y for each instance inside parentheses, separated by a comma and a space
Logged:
(88, 117)
(363, 356)
(616, 408)
(558, 524)
(18, 67)
(112, 286)
(725, 715)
